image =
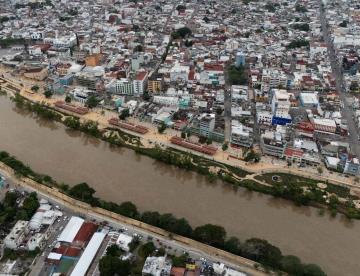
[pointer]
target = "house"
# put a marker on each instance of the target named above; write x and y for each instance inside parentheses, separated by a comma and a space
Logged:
(17, 235)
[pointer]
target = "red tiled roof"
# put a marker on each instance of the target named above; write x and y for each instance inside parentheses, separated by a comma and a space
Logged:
(140, 75)
(85, 232)
(289, 152)
(213, 67)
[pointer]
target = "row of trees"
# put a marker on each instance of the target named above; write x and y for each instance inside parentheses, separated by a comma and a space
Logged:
(37, 108)
(89, 127)
(255, 249)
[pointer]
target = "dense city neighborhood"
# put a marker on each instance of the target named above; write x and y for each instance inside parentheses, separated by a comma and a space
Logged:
(260, 86)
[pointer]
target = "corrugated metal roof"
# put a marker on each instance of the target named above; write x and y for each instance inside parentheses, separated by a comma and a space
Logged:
(89, 253)
(71, 229)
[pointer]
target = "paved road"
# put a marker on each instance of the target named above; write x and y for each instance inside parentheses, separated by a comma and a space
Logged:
(171, 245)
(347, 113)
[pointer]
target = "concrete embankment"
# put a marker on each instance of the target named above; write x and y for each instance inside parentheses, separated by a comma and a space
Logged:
(87, 210)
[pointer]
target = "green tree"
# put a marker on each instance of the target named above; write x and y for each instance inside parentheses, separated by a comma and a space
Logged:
(83, 192)
(113, 250)
(146, 249)
(225, 146)
(124, 114)
(210, 234)
(291, 264)
(48, 94)
(152, 218)
(312, 270)
(35, 88)
(30, 204)
(232, 245)
(92, 102)
(68, 99)
(113, 266)
(72, 122)
(128, 209)
(161, 128)
(180, 261)
(262, 251)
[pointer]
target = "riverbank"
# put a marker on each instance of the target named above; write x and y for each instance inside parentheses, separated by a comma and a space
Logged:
(119, 174)
(101, 117)
(214, 236)
(298, 189)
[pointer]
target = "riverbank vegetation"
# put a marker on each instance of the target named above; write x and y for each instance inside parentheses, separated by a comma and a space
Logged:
(302, 191)
(255, 249)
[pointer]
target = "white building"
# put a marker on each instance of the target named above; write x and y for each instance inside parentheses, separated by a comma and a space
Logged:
(168, 101)
(38, 240)
(124, 241)
(240, 134)
(121, 87)
(273, 78)
(280, 103)
(70, 230)
(140, 82)
(156, 266)
(17, 234)
(88, 255)
(179, 73)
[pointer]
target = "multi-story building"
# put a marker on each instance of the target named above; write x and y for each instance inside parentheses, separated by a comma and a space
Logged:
(155, 83)
(273, 78)
(324, 125)
(241, 135)
(140, 82)
(17, 235)
(207, 125)
(121, 87)
(273, 143)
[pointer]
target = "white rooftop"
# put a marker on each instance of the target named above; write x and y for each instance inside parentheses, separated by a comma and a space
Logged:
(71, 229)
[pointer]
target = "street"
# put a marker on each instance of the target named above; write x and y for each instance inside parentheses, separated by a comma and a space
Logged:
(346, 112)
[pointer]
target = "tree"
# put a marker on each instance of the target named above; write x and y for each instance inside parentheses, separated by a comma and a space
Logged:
(72, 122)
(343, 24)
(262, 251)
(161, 128)
(35, 88)
(183, 135)
(146, 249)
(152, 218)
(225, 146)
(30, 204)
(146, 96)
(128, 209)
(124, 114)
(210, 234)
(180, 261)
(251, 156)
(92, 102)
(48, 94)
(237, 75)
(312, 270)
(113, 250)
(232, 245)
(320, 170)
(68, 99)
(291, 264)
(113, 266)
(300, 8)
(83, 192)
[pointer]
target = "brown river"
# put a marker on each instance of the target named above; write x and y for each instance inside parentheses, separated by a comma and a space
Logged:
(121, 175)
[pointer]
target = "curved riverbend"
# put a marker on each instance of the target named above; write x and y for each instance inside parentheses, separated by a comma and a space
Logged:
(118, 174)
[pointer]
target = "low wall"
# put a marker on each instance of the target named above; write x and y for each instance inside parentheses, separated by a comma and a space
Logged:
(84, 208)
